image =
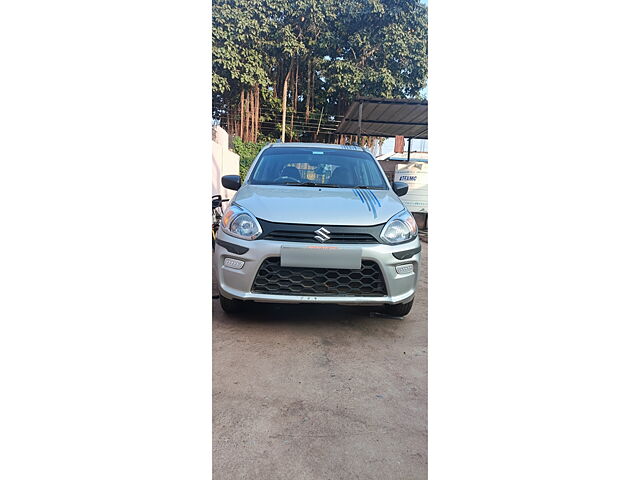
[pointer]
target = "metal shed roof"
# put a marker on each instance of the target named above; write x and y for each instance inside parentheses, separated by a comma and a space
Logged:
(385, 117)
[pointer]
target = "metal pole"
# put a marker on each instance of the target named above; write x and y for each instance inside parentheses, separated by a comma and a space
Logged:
(359, 122)
(409, 151)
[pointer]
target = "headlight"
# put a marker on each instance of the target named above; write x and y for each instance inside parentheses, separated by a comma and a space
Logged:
(400, 228)
(240, 223)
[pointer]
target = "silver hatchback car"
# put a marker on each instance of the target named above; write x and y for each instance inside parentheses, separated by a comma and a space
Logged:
(317, 223)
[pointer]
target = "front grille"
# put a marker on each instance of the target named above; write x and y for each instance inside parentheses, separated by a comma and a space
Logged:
(275, 279)
(294, 232)
(335, 237)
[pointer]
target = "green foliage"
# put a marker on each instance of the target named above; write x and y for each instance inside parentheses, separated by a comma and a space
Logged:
(247, 152)
(240, 30)
(378, 49)
(331, 51)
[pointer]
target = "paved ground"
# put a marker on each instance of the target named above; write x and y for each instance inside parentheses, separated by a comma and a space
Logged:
(320, 392)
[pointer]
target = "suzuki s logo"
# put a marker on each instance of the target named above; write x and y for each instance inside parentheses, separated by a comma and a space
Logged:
(322, 235)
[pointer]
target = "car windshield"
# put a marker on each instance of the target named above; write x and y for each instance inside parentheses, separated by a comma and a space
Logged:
(317, 167)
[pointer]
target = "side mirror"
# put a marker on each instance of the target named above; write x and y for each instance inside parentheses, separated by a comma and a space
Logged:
(232, 182)
(400, 188)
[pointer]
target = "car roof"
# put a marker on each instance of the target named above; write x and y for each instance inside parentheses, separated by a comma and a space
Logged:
(315, 145)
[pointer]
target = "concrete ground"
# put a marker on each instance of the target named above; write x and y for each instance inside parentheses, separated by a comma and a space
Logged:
(320, 392)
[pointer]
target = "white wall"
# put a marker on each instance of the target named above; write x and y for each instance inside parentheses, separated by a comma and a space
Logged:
(225, 162)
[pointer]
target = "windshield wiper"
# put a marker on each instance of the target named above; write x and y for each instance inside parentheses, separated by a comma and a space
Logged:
(313, 184)
(366, 187)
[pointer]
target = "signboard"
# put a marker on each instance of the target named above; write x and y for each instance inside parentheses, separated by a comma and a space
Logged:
(413, 174)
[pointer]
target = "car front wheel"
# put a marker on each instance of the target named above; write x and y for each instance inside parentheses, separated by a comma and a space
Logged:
(399, 310)
(231, 305)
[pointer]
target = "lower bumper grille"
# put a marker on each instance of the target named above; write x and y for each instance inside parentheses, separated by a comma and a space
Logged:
(272, 278)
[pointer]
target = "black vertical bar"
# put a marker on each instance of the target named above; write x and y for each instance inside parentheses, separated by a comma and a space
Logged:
(409, 151)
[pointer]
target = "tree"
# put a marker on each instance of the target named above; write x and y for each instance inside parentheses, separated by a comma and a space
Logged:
(239, 34)
(271, 57)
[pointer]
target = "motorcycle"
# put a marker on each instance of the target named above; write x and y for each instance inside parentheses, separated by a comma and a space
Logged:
(217, 214)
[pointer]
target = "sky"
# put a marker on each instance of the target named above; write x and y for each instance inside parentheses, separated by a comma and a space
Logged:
(417, 145)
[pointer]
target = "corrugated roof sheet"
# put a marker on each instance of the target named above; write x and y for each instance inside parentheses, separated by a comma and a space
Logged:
(387, 117)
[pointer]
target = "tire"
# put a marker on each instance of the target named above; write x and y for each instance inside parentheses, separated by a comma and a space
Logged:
(399, 310)
(231, 305)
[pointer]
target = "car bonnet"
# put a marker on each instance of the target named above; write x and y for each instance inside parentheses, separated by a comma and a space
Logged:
(318, 205)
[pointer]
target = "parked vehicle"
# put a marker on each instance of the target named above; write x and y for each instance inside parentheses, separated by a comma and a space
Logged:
(317, 223)
(216, 212)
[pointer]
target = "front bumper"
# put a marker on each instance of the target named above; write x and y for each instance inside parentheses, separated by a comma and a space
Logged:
(238, 283)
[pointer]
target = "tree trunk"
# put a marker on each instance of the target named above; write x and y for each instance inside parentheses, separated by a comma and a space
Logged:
(284, 101)
(249, 115)
(256, 118)
(313, 88)
(242, 114)
(254, 124)
(284, 107)
(295, 99)
(308, 95)
(253, 117)
(234, 120)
